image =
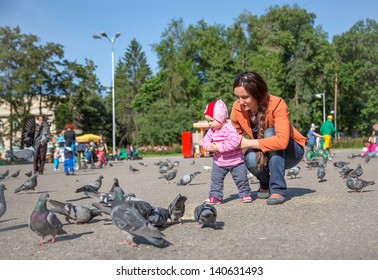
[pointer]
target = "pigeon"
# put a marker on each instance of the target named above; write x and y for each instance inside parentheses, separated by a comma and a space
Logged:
(206, 215)
(321, 172)
(132, 169)
(250, 177)
(143, 164)
(28, 174)
(193, 162)
(357, 172)
(187, 179)
(344, 171)
(44, 222)
(25, 154)
(29, 184)
(312, 164)
(92, 187)
(177, 208)
(3, 205)
(158, 216)
(358, 184)
(143, 207)
(131, 222)
(339, 164)
(367, 158)
(5, 174)
(80, 214)
(207, 168)
(293, 172)
(169, 176)
(105, 198)
(15, 174)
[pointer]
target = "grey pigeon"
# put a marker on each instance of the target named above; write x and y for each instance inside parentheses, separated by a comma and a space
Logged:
(143, 207)
(187, 179)
(312, 164)
(356, 172)
(340, 163)
(143, 164)
(78, 213)
(345, 170)
(25, 154)
(367, 158)
(177, 208)
(29, 184)
(15, 174)
(129, 221)
(158, 216)
(169, 176)
(206, 215)
(294, 171)
(92, 187)
(105, 198)
(3, 205)
(44, 222)
(132, 169)
(358, 184)
(28, 174)
(321, 172)
(207, 168)
(5, 174)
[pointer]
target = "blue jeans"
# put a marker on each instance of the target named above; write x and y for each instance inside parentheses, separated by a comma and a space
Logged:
(239, 174)
(273, 175)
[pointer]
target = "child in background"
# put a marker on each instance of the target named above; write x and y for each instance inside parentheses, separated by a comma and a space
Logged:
(68, 158)
(370, 147)
(223, 139)
(57, 155)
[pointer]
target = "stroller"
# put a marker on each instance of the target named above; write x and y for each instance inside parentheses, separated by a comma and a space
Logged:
(90, 156)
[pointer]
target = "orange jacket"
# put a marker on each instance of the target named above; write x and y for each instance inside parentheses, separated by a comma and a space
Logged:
(277, 117)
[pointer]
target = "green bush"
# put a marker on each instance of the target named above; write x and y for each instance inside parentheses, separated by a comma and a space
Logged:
(348, 143)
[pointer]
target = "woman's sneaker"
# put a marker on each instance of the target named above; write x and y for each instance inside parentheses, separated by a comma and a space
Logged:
(246, 199)
(213, 200)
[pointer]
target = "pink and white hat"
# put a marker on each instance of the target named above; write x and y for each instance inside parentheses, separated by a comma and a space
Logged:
(217, 110)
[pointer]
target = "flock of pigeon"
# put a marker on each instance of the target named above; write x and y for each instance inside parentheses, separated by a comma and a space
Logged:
(351, 176)
(132, 215)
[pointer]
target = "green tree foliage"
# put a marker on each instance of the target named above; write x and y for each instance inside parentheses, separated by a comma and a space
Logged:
(131, 73)
(358, 71)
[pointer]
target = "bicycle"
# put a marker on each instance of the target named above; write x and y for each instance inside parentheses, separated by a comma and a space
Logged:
(318, 151)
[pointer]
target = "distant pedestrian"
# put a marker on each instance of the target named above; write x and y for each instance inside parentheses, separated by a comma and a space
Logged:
(57, 156)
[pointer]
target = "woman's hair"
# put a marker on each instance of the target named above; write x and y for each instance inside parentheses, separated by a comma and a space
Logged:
(255, 85)
(69, 126)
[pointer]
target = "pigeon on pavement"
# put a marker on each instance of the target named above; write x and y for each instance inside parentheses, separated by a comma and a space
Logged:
(207, 168)
(312, 164)
(345, 170)
(129, 221)
(367, 158)
(177, 208)
(43, 222)
(15, 174)
(357, 172)
(92, 187)
(29, 184)
(158, 216)
(80, 214)
(358, 184)
(293, 172)
(169, 176)
(5, 174)
(28, 174)
(321, 172)
(340, 163)
(132, 169)
(206, 215)
(3, 205)
(187, 179)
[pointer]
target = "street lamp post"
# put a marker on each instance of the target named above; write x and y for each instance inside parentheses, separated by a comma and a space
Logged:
(112, 41)
(319, 95)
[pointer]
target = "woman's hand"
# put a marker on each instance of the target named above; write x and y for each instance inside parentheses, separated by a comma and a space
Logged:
(249, 143)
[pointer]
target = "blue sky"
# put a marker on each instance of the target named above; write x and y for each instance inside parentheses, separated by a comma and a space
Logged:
(72, 23)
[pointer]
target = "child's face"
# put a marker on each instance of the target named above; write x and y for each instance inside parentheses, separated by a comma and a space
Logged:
(213, 123)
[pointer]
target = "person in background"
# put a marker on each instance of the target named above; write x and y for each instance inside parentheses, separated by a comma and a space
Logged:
(326, 129)
(68, 159)
(272, 144)
(42, 131)
(224, 141)
(311, 137)
(370, 147)
(57, 155)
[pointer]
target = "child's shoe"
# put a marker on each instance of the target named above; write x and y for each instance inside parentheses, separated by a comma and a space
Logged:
(213, 200)
(246, 199)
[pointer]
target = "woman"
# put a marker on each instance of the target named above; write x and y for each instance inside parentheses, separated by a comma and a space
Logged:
(272, 143)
